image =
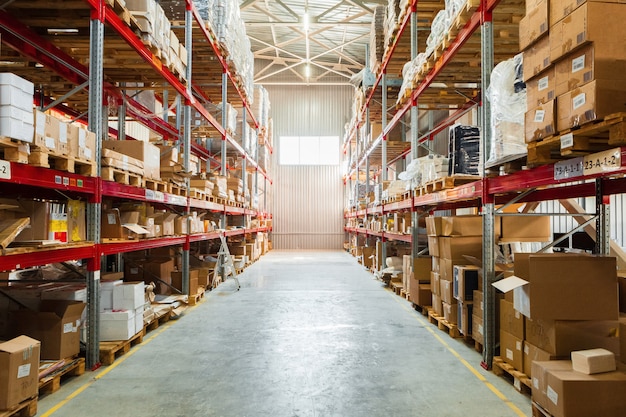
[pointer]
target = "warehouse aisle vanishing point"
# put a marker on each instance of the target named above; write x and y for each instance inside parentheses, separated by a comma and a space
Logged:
(311, 333)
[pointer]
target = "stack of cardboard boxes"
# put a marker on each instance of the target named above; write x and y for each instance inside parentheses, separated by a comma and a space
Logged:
(19, 379)
(125, 318)
(574, 63)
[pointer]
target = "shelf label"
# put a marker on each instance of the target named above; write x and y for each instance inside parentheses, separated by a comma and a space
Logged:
(5, 170)
(570, 168)
(567, 141)
(155, 196)
(177, 200)
(605, 161)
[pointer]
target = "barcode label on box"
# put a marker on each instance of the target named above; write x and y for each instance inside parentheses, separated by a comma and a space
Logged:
(539, 116)
(578, 64)
(579, 101)
(111, 218)
(23, 371)
(553, 395)
(518, 345)
(5, 170)
(542, 84)
(567, 141)
(509, 354)
(536, 383)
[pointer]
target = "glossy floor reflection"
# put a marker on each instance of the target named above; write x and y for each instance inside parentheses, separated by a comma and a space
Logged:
(309, 334)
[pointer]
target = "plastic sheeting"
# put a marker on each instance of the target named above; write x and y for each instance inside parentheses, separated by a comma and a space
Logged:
(464, 150)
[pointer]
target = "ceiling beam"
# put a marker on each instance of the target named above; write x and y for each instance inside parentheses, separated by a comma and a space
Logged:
(311, 24)
(360, 4)
(284, 6)
(246, 4)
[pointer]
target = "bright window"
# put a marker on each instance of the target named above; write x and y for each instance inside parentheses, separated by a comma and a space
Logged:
(309, 150)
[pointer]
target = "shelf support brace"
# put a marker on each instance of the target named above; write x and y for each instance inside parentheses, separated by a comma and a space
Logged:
(66, 96)
(603, 221)
(96, 125)
(121, 115)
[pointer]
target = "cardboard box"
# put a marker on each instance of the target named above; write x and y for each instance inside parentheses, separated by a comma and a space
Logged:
(445, 290)
(541, 88)
(421, 294)
(433, 246)
(112, 225)
(129, 296)
(465, 282)
(166, 221)
(446, 268)
(511, 320)
(117, 325)
(437, 305)
(435, 278)
(422, 268)
(146, 152)
(562, 8)
(534, 25)
(526, 229)
(569, 276)
(536, 58)
(478, 303)
(591, 22)
(450, 312)
(19, 371)
(478, 332)
(511, 350)
(160, 272)
(455, 247)
(593, 101)
(578, 68)
(464, 319)
(204, 277)
(533, 353)
(539, 123)
(106, 292)
(564, 392)
(593, 361)
(56, 325)
(86, 144)
(462, 226)
(177, 281)
(561, 337)
(434, 226)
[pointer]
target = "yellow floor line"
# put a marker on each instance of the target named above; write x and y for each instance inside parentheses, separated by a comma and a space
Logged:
(105, 371)
(471, 368)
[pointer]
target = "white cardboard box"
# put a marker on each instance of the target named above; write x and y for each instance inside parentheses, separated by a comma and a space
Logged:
(593, 361)
(117, 325)
(106, 294)
(129, 296)
(139, 319)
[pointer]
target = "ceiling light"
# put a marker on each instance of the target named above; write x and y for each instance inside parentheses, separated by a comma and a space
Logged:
(61, 31)
(307, 71)
(305, 21)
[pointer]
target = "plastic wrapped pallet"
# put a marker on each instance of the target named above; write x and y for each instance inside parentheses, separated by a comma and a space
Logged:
(464, 150)
(410, 72)
(377, 39)
(438, 29)
(261, 106)
(507, 94)
(391, 18)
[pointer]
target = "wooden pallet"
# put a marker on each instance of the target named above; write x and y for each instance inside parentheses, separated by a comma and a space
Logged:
(155, 185)
(478, 346)
(521, 381)
(197, 194)
(52, 383)
(109, 351)
(445, 325)
(396, 287)
(538, 411)
(446, 183)
(26, 408)
(13, 150)
(176, 190)
(121, 176)
(422, 309)
(158, 320)
(506, 166)
(192, 300)
(45, 159)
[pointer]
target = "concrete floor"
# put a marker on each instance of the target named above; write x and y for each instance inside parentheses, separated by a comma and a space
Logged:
(309, 334)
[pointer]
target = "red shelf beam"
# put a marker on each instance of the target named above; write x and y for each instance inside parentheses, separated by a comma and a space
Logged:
(49, 178)
(132, 246)
(397, 237)
(406, 204)
(43, 257)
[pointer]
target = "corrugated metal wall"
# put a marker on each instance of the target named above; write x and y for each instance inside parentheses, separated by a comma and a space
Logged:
(308, 200)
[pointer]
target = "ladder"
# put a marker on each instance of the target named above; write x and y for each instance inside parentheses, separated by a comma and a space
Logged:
(225, 266)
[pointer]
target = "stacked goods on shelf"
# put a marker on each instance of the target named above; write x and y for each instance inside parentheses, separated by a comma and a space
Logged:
(410, 71)
(391, 19)
(220, 188)
(450, 239)
(261, 110)
(231, 35)
(122, 306)
(574, 71)
(19, 358)
(419, 287)
(507, 95)
(146, 153)
(424, 170)
(16, 109)
(464, 152)
(466, 281)
(235, 189)
(377, 39)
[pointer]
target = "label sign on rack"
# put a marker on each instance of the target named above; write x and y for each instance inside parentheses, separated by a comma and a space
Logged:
(155, 196)
(5, 170)
(605, 161)
(570, 168)
(177, 200)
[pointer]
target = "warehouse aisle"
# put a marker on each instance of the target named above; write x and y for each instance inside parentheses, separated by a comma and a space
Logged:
(309, 334)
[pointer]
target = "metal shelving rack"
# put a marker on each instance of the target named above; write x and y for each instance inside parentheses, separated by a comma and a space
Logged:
(534, 185)
(106, 25)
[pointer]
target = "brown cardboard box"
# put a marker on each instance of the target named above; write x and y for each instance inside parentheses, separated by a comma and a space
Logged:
(466, 280)
(204, 277)
(450, 312)
(562, 8)
(526, 229)
(541, 88)
(434, 226)
(534, 25)
(573, 394)
(166, 221)
(464, 319)
(436, 264)
(19, 376)
(160, 272)
(86, 144)
(112, 225)
(540, 122)
(477, 328)
(368, 252)
(511, 350)
(421, 294)
(433, 246)
(437, 305)
(592, 101)
(445, 288)
(561, 337)
(533, 353)
(56, 325)
(478, 303)
(455, 247)
(511, 320)
(435, 278)
(462, 226)
(146, 152)
(537, 58)
(591, 22)
(446, 268)
(177, 281)
(585, 65)
(422, 267)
